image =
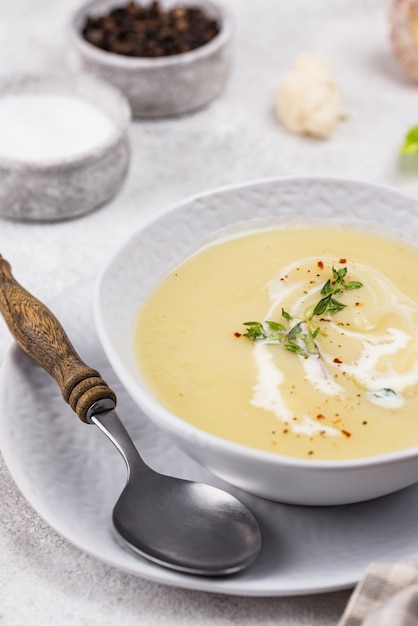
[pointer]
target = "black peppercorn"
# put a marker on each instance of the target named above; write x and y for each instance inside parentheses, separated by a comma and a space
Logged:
(150, 31)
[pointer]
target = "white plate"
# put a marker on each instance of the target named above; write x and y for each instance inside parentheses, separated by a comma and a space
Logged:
(71, 474)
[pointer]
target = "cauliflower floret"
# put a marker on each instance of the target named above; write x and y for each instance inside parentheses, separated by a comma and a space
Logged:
(308, 102)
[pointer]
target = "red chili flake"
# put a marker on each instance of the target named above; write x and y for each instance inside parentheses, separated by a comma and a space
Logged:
(343, 260)
(345, 433)
(359, 304)
(320, 416)
(237, 334)
(337, 360)
(320, 264)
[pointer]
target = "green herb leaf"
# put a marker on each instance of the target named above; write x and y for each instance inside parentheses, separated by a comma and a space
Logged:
(294, 347)
(295, 331)
(340, 274)
(286, 315)
(354, 284)
(410, 145)
(326, 289)
(322, 305)
(383, 393)
(276, 326)
(300, 338)
(255, 331)
(335, 305)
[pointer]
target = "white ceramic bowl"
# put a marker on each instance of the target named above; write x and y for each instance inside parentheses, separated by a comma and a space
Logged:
(172, 235)
(64, 186)
(160, 86)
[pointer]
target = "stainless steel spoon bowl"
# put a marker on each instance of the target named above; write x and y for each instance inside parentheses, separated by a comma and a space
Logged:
(180, 524)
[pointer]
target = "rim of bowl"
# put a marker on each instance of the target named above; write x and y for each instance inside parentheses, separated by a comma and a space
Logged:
(180, 427)
(148, 63)
(64, 82)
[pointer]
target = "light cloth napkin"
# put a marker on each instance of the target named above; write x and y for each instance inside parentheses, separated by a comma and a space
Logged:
(387, 595)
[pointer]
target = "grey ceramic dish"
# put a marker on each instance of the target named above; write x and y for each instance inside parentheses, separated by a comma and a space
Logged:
(162, 86)
(64, 188)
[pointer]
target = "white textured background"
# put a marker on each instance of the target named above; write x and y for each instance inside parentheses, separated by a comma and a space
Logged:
(43, 579)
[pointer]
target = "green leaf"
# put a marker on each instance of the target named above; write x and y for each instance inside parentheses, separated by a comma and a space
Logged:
(354, 284)
(383, 393)
(276, 326)
(293, 347)
(255, 331)
(335, 305)
(341, 273)
(310, 344)
(410, 145)
(286, 315)
(322, 305)
(295, 331)
(326, 289)
(316, 332)
(254, 325)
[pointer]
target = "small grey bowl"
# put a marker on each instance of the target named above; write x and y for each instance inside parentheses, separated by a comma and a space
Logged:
(159, 86)
(67, 187)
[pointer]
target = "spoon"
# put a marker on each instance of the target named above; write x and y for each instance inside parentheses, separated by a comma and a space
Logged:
(183, 525)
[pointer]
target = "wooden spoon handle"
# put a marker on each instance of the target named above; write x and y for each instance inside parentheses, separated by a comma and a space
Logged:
(41, 336)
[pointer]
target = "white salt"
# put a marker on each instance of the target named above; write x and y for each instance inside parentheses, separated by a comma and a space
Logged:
(38, 127)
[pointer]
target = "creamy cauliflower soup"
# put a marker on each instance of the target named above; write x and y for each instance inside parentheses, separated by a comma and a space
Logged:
(302, 342)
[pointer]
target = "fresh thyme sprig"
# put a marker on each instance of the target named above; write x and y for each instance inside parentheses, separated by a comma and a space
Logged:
(300, 337)
(333, 288)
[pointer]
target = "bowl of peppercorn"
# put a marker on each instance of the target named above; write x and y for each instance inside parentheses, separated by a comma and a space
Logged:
(167, 58)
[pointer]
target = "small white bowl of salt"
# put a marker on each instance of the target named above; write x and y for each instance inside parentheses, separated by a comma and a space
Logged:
(64, 147)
